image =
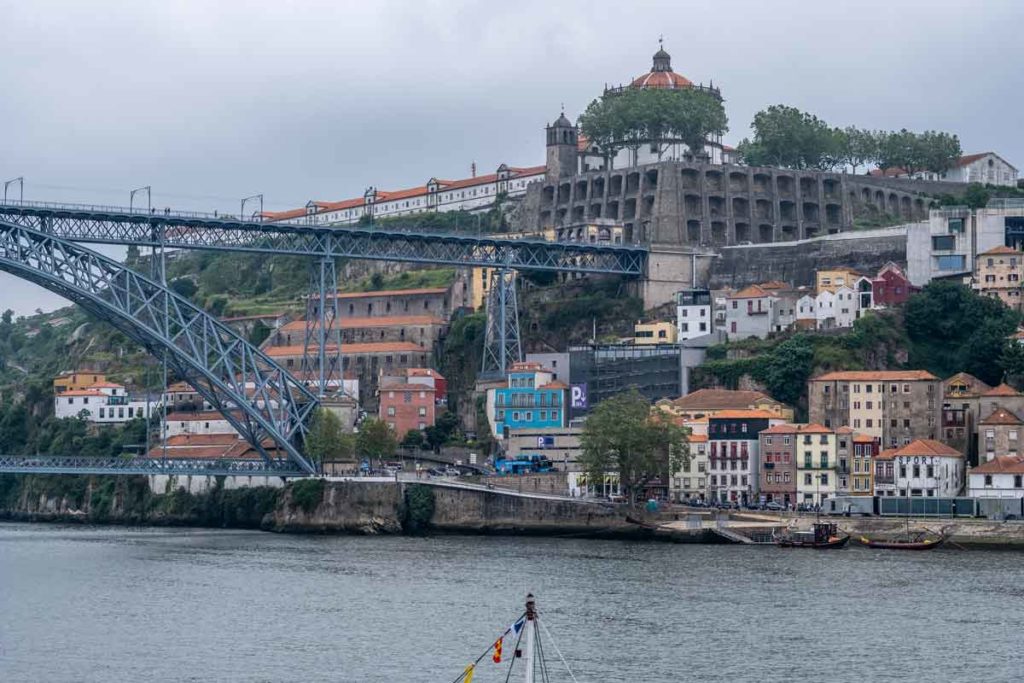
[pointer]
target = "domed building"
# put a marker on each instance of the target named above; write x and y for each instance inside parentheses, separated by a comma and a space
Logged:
(661, 76)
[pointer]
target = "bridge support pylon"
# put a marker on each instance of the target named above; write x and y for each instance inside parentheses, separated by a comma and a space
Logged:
(501, 340)
(321, 356)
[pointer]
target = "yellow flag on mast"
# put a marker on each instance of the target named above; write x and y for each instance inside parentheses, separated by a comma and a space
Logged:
(467, 675)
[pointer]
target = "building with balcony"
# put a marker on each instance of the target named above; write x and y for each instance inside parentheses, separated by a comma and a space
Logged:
(816, 464)
(102, 403)
(778, 464)
(734, 454)
(530, 399)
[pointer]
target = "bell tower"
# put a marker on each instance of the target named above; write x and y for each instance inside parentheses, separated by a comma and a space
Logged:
(562, 151)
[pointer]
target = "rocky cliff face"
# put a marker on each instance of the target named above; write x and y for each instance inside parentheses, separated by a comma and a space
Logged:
(350, 507)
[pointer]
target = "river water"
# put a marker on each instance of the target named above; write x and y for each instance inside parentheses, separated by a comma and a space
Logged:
(115, 604)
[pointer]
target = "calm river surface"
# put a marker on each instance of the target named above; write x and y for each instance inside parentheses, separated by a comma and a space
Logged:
(114, 604)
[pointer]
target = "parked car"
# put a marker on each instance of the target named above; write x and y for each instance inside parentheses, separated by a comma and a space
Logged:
(774, 507)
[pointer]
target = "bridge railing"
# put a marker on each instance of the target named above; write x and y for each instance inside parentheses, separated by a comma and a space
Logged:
(63, 464)
(110, 208)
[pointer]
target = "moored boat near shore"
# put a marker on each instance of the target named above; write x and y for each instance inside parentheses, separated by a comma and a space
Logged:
(822, 535)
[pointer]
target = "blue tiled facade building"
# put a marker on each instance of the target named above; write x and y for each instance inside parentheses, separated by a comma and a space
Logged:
(531, 399)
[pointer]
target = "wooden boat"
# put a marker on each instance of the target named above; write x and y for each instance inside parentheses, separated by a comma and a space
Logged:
(903, 543)
(822, 535)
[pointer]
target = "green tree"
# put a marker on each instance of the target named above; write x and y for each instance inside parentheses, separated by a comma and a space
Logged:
(914, 152)
(976, 196)
(939, 151)
(623, 434)
(856, 147)
(183, 286)
(1011, 361)
(790, 138)
(952, 328)
(376, 440)
(326, 440)
(413, 439)
(787, 369)
(631, 118)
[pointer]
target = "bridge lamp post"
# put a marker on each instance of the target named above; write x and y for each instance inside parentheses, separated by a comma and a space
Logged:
(149, 199)
(21, 188)
(241, 210)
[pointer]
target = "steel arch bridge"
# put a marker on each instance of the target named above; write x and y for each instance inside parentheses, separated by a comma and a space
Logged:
(257, 396)
(139, 227)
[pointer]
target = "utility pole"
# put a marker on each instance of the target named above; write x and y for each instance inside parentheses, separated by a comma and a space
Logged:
(149, 199)
(21, 188)
(241, 210)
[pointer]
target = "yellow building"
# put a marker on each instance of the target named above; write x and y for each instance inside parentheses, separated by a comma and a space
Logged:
(833, 278)
(77, 380)
(997, 274)
(480, 278)
(656, 332)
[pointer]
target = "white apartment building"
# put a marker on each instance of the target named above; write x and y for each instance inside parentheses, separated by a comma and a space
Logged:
(102, 403)
(693, 313)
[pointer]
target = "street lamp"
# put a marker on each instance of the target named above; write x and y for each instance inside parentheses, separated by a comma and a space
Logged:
(149, 199)
(241, 211)
(21, 188)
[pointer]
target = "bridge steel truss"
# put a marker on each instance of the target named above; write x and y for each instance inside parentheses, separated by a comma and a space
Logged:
(117, 225)
(257, 396)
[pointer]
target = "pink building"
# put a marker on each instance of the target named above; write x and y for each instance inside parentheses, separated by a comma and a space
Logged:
(409, 399)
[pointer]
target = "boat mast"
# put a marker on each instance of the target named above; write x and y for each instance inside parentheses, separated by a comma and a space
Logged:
(531, 627)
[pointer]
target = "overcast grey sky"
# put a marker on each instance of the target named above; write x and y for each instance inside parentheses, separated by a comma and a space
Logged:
(212, 101)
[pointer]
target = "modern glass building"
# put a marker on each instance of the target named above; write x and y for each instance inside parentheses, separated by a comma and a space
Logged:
(654, 370)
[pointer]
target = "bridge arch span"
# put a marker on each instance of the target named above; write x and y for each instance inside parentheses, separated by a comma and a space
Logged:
(255, 394)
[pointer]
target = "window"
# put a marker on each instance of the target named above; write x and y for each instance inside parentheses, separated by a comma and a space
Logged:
(1017, 481)
(807, 479)
(824, 478)
(950, 262)
(391, 411)
(423, 411)
(102, 410)
(988, 479)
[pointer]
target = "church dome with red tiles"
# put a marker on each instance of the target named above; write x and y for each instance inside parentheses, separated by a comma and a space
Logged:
(661, 74)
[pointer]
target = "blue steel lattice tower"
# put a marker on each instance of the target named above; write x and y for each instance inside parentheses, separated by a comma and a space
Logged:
(562, 148)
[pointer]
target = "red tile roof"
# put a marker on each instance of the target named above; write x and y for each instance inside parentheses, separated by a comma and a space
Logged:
(349, 323)
(875, 376)
(994, 251)
(81, 392)
(203, 416)
(1001, 416)
(928, 447)
(1001, 464)
(393, 292)
(751, 292)
(743, 414)
(719, 399)
(1003, 389)
(348, 349)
